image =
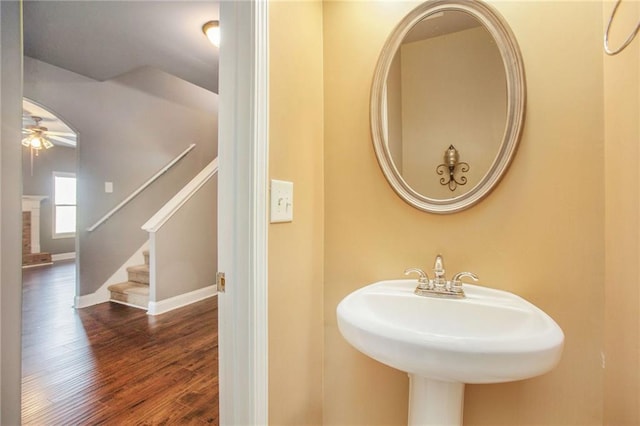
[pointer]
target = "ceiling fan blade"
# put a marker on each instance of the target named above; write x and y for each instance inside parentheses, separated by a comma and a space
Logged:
(63, 141)
(56, 133)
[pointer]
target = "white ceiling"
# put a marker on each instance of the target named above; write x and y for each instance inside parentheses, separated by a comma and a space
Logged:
(106, 39)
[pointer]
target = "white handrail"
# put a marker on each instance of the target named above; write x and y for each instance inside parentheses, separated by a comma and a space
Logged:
(142, 188)
(178, 200)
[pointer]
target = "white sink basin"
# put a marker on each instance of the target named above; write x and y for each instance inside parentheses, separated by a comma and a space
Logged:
(490, 336)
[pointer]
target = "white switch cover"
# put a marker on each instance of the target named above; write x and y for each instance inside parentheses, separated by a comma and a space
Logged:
(108, 187)
(281, 201)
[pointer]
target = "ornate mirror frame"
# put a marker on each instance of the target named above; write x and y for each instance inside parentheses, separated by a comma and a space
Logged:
(516, 99)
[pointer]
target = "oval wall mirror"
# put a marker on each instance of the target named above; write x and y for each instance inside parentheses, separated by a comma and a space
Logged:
(447, 104)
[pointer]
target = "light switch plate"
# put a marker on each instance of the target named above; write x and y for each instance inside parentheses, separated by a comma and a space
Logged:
(108, 187)
(281, 201)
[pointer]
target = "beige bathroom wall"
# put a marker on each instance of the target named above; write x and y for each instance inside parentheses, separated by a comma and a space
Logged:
(296, 248)
(446, 81)
(539, 234)
(622, 278)
(394, 112)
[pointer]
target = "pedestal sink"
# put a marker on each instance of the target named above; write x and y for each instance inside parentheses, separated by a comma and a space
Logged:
(490, 336)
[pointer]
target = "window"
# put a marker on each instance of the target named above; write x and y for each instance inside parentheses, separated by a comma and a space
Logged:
(64, 205)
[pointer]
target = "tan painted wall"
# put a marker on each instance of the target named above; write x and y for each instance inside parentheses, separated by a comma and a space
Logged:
(540, 234)
(622, 295)
(296, 249)
(446, 81)
(394, 112)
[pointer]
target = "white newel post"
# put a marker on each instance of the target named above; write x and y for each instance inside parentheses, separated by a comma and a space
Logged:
(31, 203)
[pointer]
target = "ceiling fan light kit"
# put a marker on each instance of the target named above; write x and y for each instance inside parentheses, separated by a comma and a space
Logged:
(37, 142)
(36, 139)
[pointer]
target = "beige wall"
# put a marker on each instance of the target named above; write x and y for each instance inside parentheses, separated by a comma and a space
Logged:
(185, 248)
(540, 234)
(296, 248)
(622, 297)
(446, 81)
(394, 112)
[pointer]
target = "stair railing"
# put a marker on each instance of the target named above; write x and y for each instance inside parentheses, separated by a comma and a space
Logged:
(178, 200)
(144, 186)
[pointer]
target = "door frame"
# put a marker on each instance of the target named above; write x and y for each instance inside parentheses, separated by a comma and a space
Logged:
(10, 210)
(242, 213)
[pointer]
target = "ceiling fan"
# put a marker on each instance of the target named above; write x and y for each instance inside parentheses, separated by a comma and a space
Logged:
(38, 137)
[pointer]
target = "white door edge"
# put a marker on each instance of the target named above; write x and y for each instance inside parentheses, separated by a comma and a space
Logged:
(242, 215)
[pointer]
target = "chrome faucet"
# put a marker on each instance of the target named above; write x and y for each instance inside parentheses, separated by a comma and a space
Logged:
(439, 286)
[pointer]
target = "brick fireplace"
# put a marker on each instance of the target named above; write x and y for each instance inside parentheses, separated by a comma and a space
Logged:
(31, 255)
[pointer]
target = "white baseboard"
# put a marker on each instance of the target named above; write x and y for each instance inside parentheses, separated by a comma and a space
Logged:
(166, 305)
(37, 264)
(131, 305)
(100, 296)
(63, 256)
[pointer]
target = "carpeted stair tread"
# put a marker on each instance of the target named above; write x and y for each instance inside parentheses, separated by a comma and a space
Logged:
(130, 287)
(138, 268)
(138, 273)
(135, 291)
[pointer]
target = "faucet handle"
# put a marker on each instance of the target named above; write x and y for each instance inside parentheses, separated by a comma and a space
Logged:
(423, 279)
(456, 281)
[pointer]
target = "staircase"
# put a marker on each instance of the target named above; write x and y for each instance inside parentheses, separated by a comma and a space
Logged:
(135, 291)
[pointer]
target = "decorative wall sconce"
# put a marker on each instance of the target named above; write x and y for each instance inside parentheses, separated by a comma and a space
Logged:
(452, 166)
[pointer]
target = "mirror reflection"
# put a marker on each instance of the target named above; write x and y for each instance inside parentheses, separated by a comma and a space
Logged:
(446, 86)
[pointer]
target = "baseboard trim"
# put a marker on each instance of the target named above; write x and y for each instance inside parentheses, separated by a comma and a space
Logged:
(100, 296)
(63, 256)
(127, 304)
(166, 305)
(35, 265)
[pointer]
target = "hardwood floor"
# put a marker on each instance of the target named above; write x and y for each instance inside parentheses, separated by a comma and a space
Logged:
(111, 364)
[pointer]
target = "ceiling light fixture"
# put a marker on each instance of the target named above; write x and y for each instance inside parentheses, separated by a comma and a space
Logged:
(212, 30)
(36, 140)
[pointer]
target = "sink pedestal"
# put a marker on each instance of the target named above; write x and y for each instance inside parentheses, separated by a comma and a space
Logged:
(434, 402)
(490, 336)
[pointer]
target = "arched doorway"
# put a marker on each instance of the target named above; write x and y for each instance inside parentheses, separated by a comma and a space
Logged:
(49, 165)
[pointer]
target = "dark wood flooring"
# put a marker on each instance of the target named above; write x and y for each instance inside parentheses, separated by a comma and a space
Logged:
(111, 364)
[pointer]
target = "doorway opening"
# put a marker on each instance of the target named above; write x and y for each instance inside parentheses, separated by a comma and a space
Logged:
(134, 118)
(49, 166)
